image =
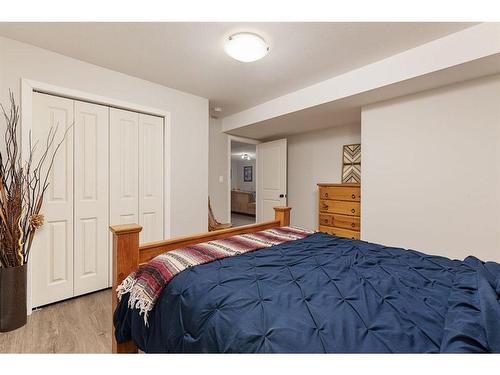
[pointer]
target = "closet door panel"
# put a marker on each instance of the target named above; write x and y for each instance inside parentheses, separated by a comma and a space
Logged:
(52, 249)
(123, 169)
(91, 248)
(151, 161)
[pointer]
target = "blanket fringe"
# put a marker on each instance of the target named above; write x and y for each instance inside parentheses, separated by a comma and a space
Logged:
(126, 286)
(140, 301)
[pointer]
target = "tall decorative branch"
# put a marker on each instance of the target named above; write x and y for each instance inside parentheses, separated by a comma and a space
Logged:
(22, 189)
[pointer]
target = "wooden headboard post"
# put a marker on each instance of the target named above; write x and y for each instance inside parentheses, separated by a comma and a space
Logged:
(283, 215)
(125, 261)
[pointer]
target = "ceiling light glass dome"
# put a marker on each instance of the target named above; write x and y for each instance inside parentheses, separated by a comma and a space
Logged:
(246, 47)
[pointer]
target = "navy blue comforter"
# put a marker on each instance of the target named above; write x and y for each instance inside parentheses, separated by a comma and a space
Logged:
(324, 294)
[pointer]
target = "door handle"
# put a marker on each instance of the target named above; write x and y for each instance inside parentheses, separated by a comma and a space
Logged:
(282, 195)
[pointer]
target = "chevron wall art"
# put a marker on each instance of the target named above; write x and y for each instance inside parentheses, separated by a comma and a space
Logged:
(351, 164)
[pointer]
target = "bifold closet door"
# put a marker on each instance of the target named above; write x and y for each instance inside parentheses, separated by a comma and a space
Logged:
(123, 171)
(123, 166)
(52, 250)
(136, 172)
(151, 178)
(91, 247)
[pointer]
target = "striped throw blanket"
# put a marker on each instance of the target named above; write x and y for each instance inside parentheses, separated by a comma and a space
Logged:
(146, 284)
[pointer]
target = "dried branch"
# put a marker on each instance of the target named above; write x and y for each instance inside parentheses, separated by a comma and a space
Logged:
(22, 188)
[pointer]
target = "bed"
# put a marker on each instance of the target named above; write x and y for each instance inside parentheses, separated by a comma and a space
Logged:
(318, 294)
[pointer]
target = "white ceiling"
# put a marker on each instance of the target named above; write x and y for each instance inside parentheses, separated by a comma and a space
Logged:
(190, 56)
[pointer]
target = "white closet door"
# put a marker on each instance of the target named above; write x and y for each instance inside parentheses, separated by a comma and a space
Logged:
(151, 178)
(91, 248)
(124, 166)
(123, 171)
(52, 251)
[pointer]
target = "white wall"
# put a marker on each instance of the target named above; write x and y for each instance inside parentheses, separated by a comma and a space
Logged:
(237, 180)
(431, 171)
(218, 160)
(312, 158)
(189, 118)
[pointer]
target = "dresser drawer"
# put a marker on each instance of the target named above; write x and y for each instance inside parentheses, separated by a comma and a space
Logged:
(340, 232)
(341, 193)
(340, 207)
(340, 221)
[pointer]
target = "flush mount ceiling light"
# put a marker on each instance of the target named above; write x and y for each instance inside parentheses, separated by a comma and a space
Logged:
(246, 47)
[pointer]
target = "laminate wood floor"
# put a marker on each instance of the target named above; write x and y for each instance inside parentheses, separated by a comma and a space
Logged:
(78, 325)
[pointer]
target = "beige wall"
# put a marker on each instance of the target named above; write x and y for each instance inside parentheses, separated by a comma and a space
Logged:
(189, 118)
(431, 171)
(315, 157)
(218, 160)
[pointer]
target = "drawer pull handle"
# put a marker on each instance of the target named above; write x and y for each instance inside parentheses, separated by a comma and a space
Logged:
(353, 196)
(353, 210)
(326, 195)
(325, 206)
(353, 225)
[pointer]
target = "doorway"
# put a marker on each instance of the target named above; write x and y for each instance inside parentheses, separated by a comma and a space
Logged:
(242, 181)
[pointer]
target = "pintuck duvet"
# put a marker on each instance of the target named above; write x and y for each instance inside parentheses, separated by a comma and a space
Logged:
(323, 294)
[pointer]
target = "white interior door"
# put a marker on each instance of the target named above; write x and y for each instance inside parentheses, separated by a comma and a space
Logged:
(123, 170)
(52, 250)
(271, 178)
(91, 248)
(151, 178)
(123, 166)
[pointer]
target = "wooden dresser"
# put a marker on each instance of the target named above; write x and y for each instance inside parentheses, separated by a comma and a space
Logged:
(340, 209)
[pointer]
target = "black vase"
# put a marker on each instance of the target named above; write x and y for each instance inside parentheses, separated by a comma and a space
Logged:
(12, 298)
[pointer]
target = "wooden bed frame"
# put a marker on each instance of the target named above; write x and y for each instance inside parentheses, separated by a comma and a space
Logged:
(128, 254)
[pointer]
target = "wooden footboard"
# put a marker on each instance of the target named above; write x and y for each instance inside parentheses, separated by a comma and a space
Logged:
(128, 254)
